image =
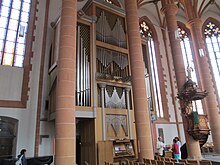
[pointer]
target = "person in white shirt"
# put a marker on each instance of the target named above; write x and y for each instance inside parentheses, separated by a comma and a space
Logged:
(160, 146)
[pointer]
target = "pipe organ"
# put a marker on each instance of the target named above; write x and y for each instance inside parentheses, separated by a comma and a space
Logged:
(117, 123)
(115, 97)
(83, 66)
(103, 94)
(110, 29)
(111, 64)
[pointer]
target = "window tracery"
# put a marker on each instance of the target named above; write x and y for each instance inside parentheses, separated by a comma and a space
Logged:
(14, 17)
(212, 39)
(211, 30)
(145, 30)
(151, 75)
(189, 63)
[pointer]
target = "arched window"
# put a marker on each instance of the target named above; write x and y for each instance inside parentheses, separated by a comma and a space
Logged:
(14, 17)
(188, 62)
(212, 38)
(151, 71)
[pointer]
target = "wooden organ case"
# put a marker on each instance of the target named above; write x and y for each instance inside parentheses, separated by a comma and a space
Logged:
(123, 148)
(102, 74)
(116, 150)
(115, 139)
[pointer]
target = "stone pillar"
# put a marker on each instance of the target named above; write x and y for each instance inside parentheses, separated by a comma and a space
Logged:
(65, 152)
(204, 73)
(170, 9)
(103, 86)
(141, 112)
(127, 90)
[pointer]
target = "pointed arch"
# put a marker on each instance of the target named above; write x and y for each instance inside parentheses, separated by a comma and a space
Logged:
(189, 60)
(208, 20)
(186, 47)
(151, 48)
(211, 32)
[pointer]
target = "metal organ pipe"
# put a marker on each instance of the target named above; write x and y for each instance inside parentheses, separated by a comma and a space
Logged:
(83, 72)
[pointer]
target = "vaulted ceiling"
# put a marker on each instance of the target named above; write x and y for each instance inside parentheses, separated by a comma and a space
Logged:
(200, 6)
(152, 7)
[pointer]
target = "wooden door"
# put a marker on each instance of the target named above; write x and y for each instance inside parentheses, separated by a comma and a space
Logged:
(87, 137)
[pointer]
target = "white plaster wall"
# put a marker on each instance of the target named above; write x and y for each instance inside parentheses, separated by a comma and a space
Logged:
(54, 10)
(11, 79)
(169, 130)
(182, 135)
(26, 130)
(47, 144)
(26, 117)
(53, 15)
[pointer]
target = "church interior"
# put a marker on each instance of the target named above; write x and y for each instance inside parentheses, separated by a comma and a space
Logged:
(99, 82)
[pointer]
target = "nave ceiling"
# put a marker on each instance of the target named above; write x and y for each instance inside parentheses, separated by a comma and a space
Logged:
(151, 8)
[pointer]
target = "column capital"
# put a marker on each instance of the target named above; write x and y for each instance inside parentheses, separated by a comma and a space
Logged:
(192, 22)
(169, 9)
(102, 85)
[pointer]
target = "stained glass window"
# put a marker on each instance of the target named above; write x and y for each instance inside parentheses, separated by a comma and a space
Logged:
(212, 38)
(145, 30)
(14, 16)
(188, 62)
(154, 95)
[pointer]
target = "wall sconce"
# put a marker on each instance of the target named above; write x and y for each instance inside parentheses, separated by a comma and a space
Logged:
(201, 52)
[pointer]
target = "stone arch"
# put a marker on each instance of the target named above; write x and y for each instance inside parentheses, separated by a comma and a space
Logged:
(159, 66)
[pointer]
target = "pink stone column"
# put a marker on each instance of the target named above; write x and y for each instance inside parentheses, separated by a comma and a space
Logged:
(65, 93)
(142, 119)
(170, 9)
(204, 72)
(206, 81)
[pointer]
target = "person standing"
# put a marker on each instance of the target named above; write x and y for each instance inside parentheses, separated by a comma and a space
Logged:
(179, 145)
(175, 150)
(22, 157)
(160, 146)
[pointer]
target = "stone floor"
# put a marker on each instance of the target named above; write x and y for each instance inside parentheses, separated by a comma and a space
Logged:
(213, 157)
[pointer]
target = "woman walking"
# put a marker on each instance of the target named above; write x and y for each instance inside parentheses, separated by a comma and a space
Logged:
(21, 158)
